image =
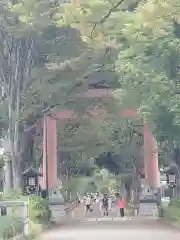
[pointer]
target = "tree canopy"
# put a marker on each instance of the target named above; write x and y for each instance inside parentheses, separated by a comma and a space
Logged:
(54, 53)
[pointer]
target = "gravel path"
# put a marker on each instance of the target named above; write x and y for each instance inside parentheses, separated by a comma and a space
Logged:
(126, 230)
(95, 227)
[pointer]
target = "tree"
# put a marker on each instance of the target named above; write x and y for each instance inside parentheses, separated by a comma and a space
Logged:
(148, 62)
(67, 47)
(16, 61)
(73, 164)
(103, 180)
(26, 38)
(148, 58)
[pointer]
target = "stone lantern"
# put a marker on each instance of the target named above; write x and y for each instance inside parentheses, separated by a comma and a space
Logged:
(31, 181)
(172, 175)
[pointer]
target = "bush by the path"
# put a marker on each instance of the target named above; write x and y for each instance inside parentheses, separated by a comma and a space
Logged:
(10, 227)
(39, 210)
(172, 212)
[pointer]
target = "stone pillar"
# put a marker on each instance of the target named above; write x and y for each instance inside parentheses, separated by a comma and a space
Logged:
(9, 210)
(24, 214)
(50, 151)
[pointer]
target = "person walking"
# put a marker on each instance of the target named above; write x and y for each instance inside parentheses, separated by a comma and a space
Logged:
(88, 205)
(105, 202)
(121, 206)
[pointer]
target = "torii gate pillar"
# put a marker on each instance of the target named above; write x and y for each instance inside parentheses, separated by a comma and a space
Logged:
(49, 165)
(151, 165)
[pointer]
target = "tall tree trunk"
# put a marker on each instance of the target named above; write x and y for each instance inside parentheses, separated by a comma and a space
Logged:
(27, 149)
(8, 177)
(14, 139)
(17, 175)
(17, 156)
(17, 58)
(8, 184)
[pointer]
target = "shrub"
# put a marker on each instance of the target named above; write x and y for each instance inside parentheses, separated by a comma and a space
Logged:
(172, 212)
(10, 227)
(39, 212)
(39, 209)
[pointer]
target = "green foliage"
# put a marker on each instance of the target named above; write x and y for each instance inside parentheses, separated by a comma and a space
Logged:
(148, 64)
(100, 180)
(57, 74)
(75, 163)
(39, 209)
(53, 70)
(104, 180)
(38, 212)
(133, 47)
(78, 184)
(10, 227)
(14, 195)
(172, 212)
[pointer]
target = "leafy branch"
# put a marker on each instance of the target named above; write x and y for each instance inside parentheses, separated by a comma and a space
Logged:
(105, 17)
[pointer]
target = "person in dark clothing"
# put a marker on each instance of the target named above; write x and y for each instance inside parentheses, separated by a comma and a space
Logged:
(105, 204)
(122, 212)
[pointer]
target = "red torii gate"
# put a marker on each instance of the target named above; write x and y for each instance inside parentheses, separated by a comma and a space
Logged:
(151, 164)
(49, 165)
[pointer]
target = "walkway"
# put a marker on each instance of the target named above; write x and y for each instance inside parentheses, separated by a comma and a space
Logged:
(107, 229)
(125, 230)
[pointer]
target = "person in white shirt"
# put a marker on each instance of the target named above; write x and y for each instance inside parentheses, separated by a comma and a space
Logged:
(87, 201)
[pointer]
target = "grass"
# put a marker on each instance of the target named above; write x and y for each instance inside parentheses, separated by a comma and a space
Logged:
(171, 213)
